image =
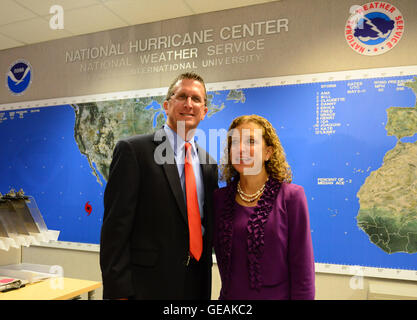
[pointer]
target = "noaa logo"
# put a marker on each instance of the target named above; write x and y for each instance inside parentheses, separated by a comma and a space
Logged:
(19, 77)
(374, 28)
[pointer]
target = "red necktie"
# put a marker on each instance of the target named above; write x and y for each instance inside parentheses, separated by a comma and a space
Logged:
(193, 211)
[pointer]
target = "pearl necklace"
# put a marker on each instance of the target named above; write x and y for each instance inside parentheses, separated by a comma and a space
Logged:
(249, 197)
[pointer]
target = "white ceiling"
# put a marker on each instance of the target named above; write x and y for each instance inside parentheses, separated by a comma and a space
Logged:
(25, 22)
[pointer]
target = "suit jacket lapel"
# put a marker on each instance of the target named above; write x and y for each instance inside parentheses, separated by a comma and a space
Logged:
(203, 158)
(164, 155)
(206, 163)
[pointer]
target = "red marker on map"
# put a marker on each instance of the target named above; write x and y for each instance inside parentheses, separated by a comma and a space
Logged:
(88, 208)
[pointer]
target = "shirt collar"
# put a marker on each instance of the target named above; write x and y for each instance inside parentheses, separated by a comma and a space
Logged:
(177, 142)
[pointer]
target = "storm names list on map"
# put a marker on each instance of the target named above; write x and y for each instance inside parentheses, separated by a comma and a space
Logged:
(326, 110)
(15, 114)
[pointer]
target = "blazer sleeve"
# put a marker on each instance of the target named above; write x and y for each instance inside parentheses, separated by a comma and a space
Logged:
(301, 258)
(120, 202)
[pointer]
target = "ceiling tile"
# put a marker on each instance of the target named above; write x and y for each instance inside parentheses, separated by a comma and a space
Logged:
(138, 12)
(96, 18)
(27, 21)
(11, 12)
(42, 7)
(199, 6)
(32, 31)
(6, 43)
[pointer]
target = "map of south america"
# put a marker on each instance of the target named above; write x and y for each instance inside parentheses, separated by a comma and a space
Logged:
(388, 198)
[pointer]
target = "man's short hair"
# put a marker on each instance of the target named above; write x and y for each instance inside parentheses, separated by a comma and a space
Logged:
(186, 75)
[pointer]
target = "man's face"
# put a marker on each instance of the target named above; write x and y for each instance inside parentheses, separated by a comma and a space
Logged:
(186, 106)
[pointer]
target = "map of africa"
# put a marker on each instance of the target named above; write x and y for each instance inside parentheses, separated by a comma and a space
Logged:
(350, 143)
(388, 199)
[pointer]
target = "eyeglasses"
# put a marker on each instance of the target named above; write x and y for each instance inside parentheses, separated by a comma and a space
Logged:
(182, 97)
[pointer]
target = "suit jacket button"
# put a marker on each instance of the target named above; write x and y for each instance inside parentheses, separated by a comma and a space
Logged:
(187, 261)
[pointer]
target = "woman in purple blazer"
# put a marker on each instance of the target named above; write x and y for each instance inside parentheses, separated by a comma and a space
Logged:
(262, 234)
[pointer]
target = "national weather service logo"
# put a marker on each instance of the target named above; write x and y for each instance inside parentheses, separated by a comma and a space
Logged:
(374, 28)
(19, 77)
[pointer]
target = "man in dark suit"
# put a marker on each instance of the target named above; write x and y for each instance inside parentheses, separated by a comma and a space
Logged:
(147, 248)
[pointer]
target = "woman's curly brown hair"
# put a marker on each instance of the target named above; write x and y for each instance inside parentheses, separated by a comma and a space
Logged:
(276, 167)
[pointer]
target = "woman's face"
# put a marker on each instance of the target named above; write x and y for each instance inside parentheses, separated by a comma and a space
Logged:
(248, 150)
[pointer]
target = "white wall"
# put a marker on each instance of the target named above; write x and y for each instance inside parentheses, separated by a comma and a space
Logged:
(85, 265)
(10, 257)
